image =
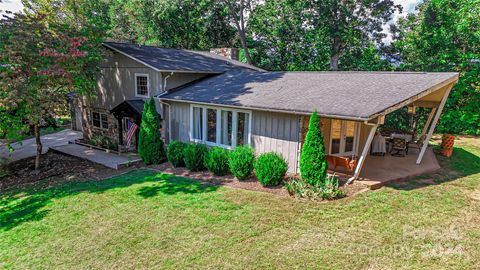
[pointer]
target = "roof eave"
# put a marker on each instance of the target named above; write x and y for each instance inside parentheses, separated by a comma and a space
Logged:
(451, 80)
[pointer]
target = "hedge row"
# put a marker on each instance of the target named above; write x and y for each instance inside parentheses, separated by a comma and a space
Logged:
(270, 168)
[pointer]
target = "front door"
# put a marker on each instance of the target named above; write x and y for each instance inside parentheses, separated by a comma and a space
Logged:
(343, 138)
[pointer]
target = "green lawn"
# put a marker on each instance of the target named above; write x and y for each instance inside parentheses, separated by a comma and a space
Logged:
(151, 220)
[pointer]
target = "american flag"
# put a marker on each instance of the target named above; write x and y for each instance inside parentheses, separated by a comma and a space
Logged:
(132, 127)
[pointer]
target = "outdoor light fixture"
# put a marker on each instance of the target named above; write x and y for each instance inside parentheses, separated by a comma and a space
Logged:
(411, 109)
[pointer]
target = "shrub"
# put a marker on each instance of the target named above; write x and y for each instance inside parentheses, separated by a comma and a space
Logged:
(150, 144)
(240, 162)
(313, 164)
(216, 161)
(193, 156)
(270, 168)
(327, 191)
(175, 153)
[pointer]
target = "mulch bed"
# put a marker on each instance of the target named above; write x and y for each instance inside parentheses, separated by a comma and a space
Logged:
(57, 168)
(248, 184)
(54, 168)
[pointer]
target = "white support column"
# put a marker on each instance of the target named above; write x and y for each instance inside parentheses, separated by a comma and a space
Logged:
(429, 120)
(362, 158)
(434, 124)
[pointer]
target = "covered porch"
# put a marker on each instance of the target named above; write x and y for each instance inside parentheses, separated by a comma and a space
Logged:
(381, 170)
(397, 160)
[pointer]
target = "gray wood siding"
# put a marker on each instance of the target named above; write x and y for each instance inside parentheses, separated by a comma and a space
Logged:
(277, 132)
(116, 82)
(180, 122)
(271, 132)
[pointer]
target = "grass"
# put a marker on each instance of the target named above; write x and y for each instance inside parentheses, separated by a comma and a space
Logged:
(145, 219)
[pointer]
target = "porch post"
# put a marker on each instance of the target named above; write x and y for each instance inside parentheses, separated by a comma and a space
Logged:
(120, 130)
(429, 120)
(365, 150)
(434, 124)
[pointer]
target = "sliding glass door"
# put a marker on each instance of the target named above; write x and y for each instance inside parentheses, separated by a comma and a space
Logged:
(343, 137)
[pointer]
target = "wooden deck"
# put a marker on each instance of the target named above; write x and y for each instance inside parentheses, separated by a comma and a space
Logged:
(379, 171)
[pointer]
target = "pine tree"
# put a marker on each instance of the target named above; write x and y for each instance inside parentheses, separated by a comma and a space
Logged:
(150, 144)
(313, 164)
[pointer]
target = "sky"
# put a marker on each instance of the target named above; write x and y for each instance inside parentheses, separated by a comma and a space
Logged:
(408, 6)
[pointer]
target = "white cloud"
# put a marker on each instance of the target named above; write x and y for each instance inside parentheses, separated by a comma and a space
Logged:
(10, 5)
(408, 7)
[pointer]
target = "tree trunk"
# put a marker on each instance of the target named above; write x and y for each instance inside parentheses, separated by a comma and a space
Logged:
(335, 53)
(244, 45)
(39, 147)
(334, 62)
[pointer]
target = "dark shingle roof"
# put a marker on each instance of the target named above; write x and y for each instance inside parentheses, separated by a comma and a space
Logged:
(338, 94)
(163, 59)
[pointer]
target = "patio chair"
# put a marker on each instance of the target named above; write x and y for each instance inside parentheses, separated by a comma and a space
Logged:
(399, 146)
(416, 145)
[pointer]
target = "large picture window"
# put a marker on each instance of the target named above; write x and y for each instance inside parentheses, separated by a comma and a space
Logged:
(222, 127)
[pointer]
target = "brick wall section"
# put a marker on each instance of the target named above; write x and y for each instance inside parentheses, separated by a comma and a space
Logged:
(231, 53)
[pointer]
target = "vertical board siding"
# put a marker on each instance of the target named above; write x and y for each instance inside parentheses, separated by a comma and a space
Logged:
(276, 132)
(271, 132)
(180, 121)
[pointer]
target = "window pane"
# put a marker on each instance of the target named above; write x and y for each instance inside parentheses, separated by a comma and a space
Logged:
(197, 129)
(242, 128)
(226, 137)
(336, 130)
(104, 121)
(212, 125)
(349, 136)
(142, 85)
(96, 119)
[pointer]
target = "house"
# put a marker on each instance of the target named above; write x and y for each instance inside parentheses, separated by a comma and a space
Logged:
(206, 98)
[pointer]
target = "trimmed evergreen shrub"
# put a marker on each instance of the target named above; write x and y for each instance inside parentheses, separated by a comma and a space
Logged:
(216, 161)
(193, 156)
(313, 163)
(175, 153)
(240, 162)
(150, 144)
(270, 168)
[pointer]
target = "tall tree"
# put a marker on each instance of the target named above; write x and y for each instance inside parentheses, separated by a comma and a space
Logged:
(42, 64)
(350, 21)
(282, 41)
(239, 11)
(445, 36)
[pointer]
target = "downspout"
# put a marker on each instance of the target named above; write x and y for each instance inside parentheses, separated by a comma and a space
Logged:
(169, 107)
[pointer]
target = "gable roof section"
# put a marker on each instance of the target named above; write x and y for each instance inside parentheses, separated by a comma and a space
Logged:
(347, 95)
(176, 60)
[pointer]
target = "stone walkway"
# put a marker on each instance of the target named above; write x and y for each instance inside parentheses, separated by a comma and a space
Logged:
(27, 148)
(110, 160)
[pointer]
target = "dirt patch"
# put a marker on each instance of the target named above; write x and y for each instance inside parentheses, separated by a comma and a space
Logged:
(248, 184)
(55, 168)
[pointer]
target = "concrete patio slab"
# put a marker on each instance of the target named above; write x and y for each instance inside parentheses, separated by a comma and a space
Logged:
(110, 160)
(27, 148)
(378, 171)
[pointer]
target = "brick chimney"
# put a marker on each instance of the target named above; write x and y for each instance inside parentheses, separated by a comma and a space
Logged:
(231, 53)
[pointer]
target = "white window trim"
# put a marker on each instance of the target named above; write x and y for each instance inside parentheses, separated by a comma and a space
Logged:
(100, 119)
(356, 140)
(218, 127)
(148, 85)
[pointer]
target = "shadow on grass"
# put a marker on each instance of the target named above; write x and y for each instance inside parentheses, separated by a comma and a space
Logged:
(172, 185)
(462, 163)
(17, 207)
